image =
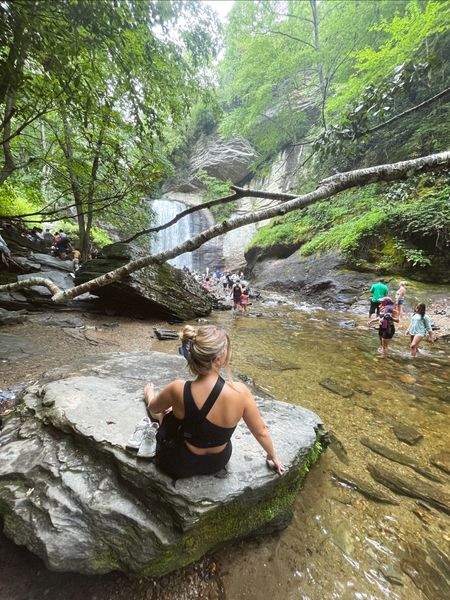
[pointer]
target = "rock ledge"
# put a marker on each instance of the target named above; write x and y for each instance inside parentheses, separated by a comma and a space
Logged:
(72, 494)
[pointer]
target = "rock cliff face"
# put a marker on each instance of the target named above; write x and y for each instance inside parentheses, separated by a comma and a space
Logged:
(318, 279)
(160, 291)
(232, 160)
(226, 160)
(71, 493)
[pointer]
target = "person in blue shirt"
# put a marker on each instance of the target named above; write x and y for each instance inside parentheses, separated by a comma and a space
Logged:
(419, 328)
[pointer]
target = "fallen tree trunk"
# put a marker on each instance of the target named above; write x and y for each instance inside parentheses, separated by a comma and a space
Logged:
(327, 188)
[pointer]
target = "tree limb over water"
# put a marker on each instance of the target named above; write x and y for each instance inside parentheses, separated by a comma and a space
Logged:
(327, 188)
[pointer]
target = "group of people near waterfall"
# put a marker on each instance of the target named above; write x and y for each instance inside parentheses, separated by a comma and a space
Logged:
(389, 311)
(229, 285)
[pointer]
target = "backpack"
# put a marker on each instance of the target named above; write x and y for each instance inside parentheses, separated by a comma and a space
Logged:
(387, 324)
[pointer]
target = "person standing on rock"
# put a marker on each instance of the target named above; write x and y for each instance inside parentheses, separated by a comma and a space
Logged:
(400, 298)
(419, 327)
(197, 418)
(378, 290)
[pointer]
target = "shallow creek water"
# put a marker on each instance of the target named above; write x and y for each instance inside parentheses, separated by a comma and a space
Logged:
(341, 544)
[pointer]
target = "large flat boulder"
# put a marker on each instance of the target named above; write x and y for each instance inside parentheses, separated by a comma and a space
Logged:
(155, 291)
(71, 493)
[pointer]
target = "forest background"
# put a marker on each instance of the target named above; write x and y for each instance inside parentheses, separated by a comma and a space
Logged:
(101, 102)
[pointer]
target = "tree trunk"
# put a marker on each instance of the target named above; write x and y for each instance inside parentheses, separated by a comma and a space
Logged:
(327, 189)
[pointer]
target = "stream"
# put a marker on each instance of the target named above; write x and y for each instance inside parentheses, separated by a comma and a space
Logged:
(342, 544)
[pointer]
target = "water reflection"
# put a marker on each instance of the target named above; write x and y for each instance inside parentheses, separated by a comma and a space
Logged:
(341, 544)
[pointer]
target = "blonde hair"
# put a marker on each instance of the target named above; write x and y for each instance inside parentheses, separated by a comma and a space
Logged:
(403, 283)
(202, 345)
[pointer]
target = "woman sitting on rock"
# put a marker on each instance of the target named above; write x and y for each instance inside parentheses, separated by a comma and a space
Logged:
(197, 418)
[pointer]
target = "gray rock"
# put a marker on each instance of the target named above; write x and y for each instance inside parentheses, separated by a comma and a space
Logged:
(60, 278)
(411, 486)
(336, 388)
(27, 264)
(51, 263)
(158, 291)
(72, 494)
(51, 321)
(15, 347)
(364, 487)
(324, 279)
(223, 159)
(407, 434)
(400, 458)
(166, 334)
(11, 317)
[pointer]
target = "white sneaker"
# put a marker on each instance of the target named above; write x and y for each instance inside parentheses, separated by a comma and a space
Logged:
(147, 449)
(135, 440)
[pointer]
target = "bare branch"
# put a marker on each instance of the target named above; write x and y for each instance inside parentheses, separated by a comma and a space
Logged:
(189, 211)
(442, 94)
(327, 189)
(291, 37)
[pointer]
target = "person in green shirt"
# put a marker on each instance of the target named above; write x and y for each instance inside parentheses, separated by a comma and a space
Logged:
(378, 291)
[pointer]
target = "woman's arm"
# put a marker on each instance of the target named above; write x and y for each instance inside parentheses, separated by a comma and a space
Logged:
(258, 428)
(163, 401)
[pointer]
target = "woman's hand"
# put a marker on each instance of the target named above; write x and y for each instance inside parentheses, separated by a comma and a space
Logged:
(275, 464)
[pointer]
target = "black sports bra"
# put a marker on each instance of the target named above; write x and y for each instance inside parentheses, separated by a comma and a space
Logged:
(198, 431)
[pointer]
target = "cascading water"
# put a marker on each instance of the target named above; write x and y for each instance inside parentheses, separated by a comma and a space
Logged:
(208, 255)
(165, 210)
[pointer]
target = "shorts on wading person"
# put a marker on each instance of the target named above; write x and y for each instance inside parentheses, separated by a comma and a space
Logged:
(197, 418)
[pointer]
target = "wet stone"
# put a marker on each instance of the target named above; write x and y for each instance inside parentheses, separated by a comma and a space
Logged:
(442, 461)
(411, 486)
(336, 388)
(400, 458)
(392, 574)
(335, 444)
(364, 487)
(407, 434)
(425, 577)
(166, 334)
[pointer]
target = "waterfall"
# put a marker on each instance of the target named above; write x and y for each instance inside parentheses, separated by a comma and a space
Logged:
(165, 210)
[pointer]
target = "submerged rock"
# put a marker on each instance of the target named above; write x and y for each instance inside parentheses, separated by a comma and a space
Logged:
(364, 487)
(72, 493)
(156, 291)
(442, 461)
(336, 388)
(412, 487)
(407, 434)
(400, 458)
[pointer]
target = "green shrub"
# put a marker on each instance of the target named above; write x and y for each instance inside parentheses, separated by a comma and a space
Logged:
(20, 200)
(215, 189)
